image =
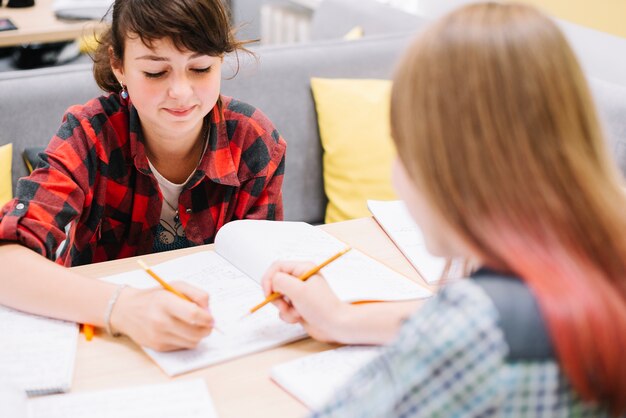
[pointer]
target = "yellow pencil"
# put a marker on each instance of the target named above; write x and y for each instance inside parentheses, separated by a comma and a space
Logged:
(303, 277)
(162, 282)
(166, 285)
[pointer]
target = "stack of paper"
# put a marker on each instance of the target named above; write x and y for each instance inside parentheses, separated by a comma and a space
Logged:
(36, 352)
(315, 378)
(181, 399)
(396, 221)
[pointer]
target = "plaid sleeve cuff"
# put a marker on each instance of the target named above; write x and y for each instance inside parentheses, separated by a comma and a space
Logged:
(11, 231)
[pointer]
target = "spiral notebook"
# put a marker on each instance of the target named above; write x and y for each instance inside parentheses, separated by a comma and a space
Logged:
(37, 353)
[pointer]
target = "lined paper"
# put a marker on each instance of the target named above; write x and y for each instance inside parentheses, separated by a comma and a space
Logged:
(180, 399)
(232, 294)
(353, 277)
(315, 378)
(36, 352)
(396, 221)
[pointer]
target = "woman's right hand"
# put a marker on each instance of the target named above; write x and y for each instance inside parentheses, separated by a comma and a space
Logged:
(158, 319)
(312, 303)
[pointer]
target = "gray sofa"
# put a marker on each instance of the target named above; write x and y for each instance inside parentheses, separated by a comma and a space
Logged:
(32, 102)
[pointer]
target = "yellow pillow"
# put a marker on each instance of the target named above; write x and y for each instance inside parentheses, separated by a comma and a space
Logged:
(353, 119)
(6, 187)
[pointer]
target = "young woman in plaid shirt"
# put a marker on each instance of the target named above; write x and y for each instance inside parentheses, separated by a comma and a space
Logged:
(501, 161)
(161, 162)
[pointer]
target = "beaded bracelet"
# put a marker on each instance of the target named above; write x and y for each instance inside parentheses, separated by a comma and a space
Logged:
(107, 313)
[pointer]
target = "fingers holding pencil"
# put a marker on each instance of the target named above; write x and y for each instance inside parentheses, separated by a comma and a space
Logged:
(293, 298)
(310, 270)
(160, 320)
(182, 290)
(311, 303)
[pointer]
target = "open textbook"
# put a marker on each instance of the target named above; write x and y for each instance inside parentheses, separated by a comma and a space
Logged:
(394, 218)
(37, 353)
(315, 378)
(232, 274)
(180, 399)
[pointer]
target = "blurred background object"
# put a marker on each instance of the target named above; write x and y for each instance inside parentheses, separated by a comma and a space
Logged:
(21, 3)
(289, 21)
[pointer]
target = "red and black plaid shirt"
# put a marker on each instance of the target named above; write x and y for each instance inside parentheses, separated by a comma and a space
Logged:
(94, 176)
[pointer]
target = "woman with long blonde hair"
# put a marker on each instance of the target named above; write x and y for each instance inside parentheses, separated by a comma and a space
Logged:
(501, 161)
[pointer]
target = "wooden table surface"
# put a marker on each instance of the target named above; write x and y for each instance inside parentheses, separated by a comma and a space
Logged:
(239, 388)
(38, 24)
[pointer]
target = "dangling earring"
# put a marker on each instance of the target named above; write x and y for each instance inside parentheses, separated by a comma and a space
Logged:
(123, 93)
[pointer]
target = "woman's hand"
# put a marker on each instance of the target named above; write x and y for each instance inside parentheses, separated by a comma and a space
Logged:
(311, 303)
(158, 319)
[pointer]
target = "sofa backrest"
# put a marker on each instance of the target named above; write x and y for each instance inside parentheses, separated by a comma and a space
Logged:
(32, 103)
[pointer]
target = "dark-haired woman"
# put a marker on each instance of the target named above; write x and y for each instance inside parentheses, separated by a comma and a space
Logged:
(160, 162)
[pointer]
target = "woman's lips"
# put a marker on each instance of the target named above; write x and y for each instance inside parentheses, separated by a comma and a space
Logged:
(184, 111)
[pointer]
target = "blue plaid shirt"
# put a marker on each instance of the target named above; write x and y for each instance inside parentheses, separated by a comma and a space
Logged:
(449, 360)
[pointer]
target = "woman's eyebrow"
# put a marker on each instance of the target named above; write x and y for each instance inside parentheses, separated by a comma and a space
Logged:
(160, 58)
(152, 58)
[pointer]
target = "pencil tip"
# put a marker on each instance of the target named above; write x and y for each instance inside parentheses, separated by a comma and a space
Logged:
(142, 263)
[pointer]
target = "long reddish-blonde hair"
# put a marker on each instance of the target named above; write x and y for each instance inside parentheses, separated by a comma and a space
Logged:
(494, 122)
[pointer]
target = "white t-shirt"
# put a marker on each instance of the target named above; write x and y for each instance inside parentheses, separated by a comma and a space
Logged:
(170, 227)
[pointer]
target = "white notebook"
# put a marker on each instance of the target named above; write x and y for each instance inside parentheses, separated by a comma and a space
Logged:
(37, 353)
(315, 378)
(232, 274)
(180, 399)
(396, 221)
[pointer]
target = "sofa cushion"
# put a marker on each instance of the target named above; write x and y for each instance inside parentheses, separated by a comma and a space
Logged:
(353, 119)
(6, 186)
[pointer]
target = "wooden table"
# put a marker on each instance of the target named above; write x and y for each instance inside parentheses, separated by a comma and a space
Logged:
(241, 387)
(38, 24)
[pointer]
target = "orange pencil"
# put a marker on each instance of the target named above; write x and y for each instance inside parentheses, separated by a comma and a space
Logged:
(303, 277)
(88, 331)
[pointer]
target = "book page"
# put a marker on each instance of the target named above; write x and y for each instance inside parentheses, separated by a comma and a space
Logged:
(232, 295)
(180, 399)
(315, 378)
(396, 221)
(37, 352)
(253, 245)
